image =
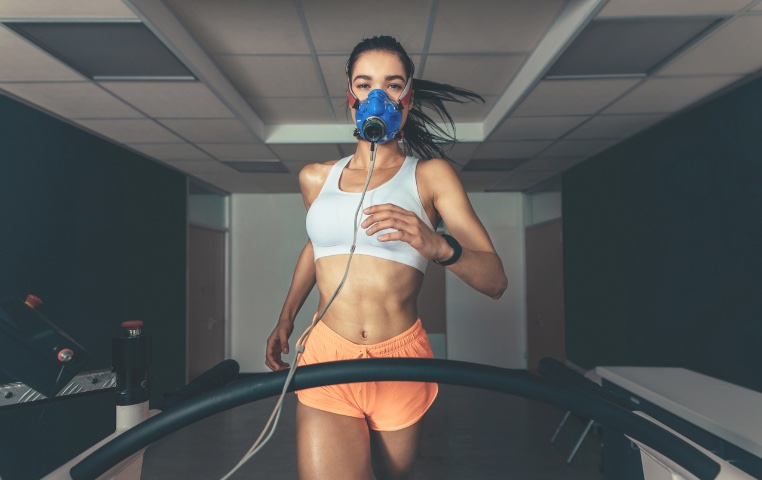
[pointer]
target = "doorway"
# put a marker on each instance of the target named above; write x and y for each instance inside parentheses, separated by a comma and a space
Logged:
(206, 299)
(545, 293)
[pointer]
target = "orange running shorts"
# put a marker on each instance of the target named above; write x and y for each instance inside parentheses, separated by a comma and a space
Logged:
(386, 406)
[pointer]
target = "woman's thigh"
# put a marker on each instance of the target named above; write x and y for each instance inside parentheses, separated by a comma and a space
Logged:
(331, 446)
(394, 453)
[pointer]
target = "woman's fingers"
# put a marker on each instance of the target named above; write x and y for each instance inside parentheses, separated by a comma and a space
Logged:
(401, 225)
(277, 343)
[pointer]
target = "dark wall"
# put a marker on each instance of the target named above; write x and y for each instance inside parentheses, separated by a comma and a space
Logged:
(663, 245)
(97, 232)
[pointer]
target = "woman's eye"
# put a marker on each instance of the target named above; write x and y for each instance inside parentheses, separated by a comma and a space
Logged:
(394, 86)
(363, 86)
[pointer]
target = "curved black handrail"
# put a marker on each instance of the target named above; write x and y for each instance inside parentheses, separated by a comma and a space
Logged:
(379, 369)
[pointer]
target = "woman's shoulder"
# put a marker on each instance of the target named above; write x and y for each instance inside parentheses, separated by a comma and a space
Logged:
(436, 177)
(434, 163)
(316, 172)
(312, 177)
(435, 169)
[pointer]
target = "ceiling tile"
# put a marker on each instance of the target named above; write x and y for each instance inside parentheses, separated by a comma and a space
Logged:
(293, 110)
(200, 166)
(461, 153)
(492, 165)
(103, 49)
(257, 166)
(483, 74)
(170, 99)
(535, 128)
(628, 46)
(295, 167)
(238, 151)
(401, 19)
(480, 180)
(720, 52)
(23, 61)
(131, 130)
(519, 149)
(308, 153)
(467, 112)
(471, 187)
(577, 148)
(519, 181)
(233, 182)
(272, 76)
(550, 164)
(668, 94)
(70, 9)
(211, 130)
(614, 126)
(342, 111)
(628, 8)
(572, 97)
(170, 151)
(243, 26)
(332, 68)
(289, 180)
(492, 25)
(72, 100)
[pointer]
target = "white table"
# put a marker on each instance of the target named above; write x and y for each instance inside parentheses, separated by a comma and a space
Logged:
(730, 412)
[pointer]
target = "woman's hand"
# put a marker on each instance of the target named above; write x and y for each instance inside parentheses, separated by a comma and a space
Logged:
(277, 343)
(408, 228)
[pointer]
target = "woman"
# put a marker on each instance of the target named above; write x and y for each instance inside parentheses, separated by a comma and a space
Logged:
(355, 431)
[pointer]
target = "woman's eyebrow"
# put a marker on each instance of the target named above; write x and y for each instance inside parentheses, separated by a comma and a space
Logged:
(388, 77)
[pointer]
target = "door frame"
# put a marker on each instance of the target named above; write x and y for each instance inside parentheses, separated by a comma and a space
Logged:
(226, 292)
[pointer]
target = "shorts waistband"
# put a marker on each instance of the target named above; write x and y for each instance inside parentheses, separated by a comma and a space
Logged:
(325, 334)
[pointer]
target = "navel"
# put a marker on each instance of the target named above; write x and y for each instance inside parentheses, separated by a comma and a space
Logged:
(364, 334)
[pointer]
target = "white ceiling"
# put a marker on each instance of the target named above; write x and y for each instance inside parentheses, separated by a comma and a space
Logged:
(271, 79)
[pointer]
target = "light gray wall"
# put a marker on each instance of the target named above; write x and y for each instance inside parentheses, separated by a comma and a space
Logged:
(268, 233)
(480, 329)
(542, 207)
(209, 210)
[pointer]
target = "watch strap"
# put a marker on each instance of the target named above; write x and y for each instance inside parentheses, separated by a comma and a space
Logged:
(457, 250)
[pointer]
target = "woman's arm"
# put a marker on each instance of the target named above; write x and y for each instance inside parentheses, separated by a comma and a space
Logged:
(311, 179)
(438, 185)
(479, 265)
(301, 285)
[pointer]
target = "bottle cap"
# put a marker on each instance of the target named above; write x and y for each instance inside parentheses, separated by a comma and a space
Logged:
(32, 301)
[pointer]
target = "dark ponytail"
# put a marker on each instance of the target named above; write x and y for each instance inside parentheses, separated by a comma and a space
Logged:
(423, 137)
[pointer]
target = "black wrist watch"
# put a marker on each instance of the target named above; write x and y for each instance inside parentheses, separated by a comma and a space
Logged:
(456, 251)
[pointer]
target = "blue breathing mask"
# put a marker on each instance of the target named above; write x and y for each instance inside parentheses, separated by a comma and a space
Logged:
(378, 117)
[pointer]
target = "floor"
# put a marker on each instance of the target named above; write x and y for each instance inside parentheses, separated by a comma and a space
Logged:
(468, 434)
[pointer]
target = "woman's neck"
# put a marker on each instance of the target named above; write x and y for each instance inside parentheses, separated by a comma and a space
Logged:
(387, 155)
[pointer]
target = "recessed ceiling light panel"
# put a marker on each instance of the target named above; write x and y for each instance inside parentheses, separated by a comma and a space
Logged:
(106, 51)
(629, 46)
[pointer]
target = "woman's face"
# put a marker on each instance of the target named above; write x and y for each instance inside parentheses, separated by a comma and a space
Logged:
(382, 70)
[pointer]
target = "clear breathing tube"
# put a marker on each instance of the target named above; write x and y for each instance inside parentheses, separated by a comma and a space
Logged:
(272, 422)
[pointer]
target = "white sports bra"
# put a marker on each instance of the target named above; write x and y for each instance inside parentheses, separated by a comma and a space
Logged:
(329, 219)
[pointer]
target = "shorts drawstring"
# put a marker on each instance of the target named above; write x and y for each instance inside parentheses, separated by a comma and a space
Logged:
(364, 353)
